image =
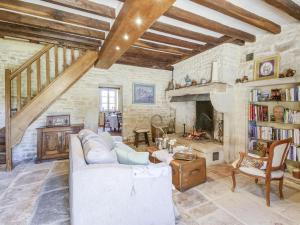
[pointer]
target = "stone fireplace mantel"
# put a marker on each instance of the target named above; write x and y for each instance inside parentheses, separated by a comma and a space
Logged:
(219, 93)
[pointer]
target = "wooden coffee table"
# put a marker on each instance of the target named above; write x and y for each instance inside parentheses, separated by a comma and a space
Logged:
(185, 174)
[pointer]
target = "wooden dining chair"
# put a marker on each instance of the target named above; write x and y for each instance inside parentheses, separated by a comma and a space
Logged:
(274, 170)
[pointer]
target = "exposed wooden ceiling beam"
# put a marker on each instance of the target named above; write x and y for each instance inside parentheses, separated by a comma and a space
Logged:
(172, 41)
(49, 13)
(87, 6)
(223, 40)
(143, 62)
(152, 54)
(239, 13)
(178, 31)
(126, 23)
(288, 6)
(163, 48)
(41, 39)
(49, 25)
(48, 35)
(197, 20)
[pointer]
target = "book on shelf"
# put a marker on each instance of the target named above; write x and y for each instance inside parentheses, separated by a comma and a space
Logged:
(294, 153)
(286, 94)
(258, 112)
(273, 134)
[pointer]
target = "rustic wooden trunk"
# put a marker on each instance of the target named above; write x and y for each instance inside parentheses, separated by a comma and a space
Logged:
(187, 174)
(53, 143)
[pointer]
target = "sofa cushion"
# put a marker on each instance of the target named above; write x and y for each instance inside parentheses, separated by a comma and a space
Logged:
(131, 157)
(97, 153)
(84, 132)
(107, 138)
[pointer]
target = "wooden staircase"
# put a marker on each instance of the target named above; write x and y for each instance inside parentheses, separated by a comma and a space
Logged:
(35, 85)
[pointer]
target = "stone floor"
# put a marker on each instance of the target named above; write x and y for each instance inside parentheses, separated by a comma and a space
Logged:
(37, 194)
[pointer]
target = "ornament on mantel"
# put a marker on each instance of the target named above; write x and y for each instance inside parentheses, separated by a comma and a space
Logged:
(287, 73)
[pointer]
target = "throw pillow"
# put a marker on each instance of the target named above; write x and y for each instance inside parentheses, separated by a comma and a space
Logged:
(97, 153)
(250, 162)
(132, 157)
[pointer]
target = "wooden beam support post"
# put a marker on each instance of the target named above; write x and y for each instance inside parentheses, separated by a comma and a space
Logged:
(133, 20)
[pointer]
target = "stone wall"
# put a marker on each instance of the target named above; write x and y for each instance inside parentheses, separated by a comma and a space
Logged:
(83, 97)
(231, 65)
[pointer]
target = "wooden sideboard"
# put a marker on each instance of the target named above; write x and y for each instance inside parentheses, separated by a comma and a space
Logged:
(53, 142)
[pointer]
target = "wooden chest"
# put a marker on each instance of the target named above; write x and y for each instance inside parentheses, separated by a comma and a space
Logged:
(185, 174)
(188, 174)
(53, 143)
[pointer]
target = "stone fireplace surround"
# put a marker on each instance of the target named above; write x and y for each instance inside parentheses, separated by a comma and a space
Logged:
(222, 101)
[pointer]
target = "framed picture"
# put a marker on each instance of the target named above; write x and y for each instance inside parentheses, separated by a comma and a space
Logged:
(143, 94)
(266, 68)
(58, 121)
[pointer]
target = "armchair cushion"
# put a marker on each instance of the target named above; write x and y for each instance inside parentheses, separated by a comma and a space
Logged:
(261, 173)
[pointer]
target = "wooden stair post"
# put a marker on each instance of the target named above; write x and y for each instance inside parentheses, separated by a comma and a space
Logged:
(7, 119)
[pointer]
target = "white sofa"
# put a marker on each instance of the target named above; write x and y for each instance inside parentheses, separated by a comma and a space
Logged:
(116, 194)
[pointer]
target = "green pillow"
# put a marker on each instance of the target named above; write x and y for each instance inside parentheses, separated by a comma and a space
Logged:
(132, 157)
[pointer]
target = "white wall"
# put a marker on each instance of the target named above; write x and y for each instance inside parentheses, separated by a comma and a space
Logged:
(83, 96)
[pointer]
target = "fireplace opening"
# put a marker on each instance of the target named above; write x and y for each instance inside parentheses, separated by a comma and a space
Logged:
(204, 126)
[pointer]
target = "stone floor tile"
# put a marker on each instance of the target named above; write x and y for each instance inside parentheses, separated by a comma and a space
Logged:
(218, 217)
(30, 177)
(59, 166)
(187, 220)
(52, 206)
(250, 211)
(19, 194)
(215, 189)
(55, 182)
(32, 166)
(189, 198)
(17, 214)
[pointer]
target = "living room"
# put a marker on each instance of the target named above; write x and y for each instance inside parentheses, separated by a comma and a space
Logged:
(188, 115)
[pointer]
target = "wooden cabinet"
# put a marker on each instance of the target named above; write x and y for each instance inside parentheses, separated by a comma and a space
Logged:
(53, 143)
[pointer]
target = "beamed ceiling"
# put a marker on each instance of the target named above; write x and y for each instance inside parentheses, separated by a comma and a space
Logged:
(146, 33)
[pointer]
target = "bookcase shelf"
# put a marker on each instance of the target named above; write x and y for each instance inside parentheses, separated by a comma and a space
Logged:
(261, 126)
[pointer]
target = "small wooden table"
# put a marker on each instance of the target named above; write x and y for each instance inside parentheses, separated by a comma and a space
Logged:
(185, 174)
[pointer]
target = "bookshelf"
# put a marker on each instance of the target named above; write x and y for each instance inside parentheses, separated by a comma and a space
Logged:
(268, 103)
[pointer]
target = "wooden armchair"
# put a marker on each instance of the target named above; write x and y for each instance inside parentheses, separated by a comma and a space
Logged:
(274, 170)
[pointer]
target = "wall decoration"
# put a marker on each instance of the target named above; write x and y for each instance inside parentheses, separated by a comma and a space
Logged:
(266, 68)
(143, 94)
(58, 121)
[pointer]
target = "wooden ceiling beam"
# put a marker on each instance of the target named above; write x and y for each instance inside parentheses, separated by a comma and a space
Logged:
(178, 31)
(47, 35)
(41, 39)
(163, 48)
(134, 19)
(143, 62)
(239, 13)
(288, 6)
(171, 41)
(152, 54)
(49, 25)
(87, 6)
(197, 20)
(49, 13)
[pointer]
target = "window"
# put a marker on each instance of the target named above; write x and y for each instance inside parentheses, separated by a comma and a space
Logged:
(109, 99)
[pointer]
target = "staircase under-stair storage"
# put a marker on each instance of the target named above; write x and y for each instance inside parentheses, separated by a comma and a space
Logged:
(36, 84)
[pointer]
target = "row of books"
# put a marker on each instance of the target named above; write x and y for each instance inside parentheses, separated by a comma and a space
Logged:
(274, 134)
(285, 94)
(258, 112)
(294, 153)
(291, 116)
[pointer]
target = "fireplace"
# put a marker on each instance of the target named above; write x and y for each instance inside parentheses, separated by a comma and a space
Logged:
(205, 119)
